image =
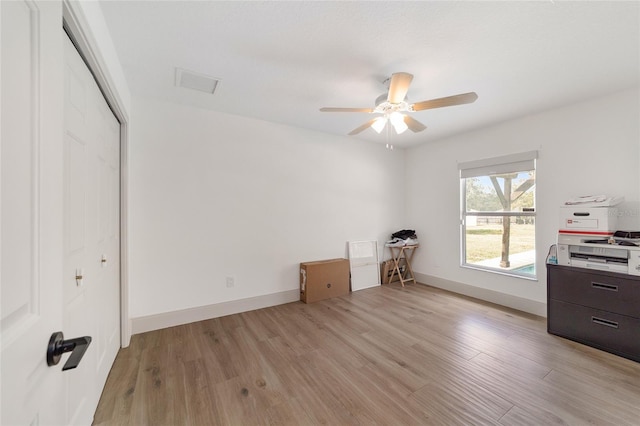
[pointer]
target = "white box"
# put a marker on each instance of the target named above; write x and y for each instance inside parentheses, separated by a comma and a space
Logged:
(588, 220)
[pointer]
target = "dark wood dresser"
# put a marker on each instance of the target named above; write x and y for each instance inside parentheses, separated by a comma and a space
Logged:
(597, 308)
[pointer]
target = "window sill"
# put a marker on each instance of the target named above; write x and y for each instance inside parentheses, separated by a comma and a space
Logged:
(527, 277)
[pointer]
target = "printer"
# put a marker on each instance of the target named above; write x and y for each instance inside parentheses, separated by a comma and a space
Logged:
(587, 238)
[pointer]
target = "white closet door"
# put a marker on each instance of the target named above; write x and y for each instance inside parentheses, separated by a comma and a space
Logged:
(91, 245)
(365, 270)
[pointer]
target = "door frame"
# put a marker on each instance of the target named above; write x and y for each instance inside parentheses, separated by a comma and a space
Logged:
(77, 25)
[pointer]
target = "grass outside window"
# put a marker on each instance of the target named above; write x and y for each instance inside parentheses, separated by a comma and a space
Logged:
(483, 242)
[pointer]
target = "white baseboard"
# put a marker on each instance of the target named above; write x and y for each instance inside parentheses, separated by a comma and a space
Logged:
(185, 316)
(510, 301)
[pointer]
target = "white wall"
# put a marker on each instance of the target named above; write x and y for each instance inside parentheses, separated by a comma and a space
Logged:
(215, 195)
(586, 148)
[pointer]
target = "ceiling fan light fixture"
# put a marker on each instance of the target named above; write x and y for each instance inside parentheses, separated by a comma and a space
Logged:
(378, 124)
(400, 128)
(397, 120)
(393, 104)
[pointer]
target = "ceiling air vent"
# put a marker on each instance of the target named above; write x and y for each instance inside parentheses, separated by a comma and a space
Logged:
(196, 81)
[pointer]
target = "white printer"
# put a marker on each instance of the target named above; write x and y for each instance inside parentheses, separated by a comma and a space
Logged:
(587, 238)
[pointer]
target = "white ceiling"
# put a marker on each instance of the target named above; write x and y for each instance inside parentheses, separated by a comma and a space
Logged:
(282, 61)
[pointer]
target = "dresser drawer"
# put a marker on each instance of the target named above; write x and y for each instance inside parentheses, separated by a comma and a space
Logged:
(618, 334)
(600, 290)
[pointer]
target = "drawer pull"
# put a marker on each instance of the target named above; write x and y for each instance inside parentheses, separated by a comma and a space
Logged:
(604, 322)
(602, 286)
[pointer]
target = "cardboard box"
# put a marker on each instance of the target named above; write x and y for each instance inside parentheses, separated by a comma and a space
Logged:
(386, 269)
(324, 279)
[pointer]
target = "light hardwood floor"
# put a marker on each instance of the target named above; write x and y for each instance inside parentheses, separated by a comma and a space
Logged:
(387, 355)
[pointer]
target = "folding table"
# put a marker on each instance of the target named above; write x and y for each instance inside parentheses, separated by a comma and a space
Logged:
(406, 253)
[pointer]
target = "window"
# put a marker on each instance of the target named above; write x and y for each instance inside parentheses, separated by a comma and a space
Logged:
(498, 214)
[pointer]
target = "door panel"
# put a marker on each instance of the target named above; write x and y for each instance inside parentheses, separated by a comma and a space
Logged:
(18, 228)
(31, 238)
(75, 183)
(103, 199)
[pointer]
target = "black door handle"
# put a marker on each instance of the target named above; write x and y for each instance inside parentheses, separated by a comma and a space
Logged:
(57, 346)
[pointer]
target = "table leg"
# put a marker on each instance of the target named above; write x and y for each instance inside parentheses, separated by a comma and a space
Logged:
(407, 259)
(396, 264)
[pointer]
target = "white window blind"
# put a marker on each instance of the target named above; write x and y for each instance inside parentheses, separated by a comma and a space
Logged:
(498, 165)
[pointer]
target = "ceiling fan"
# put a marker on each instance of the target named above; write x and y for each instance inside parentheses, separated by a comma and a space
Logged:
(393, 106)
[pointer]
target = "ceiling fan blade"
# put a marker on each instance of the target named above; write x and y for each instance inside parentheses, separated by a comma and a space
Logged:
(398, 87)
(361, 128)
(330, 109)
(464, 98)
(413, 124)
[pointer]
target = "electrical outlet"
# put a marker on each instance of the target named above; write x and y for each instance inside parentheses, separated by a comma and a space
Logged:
(231, 282)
